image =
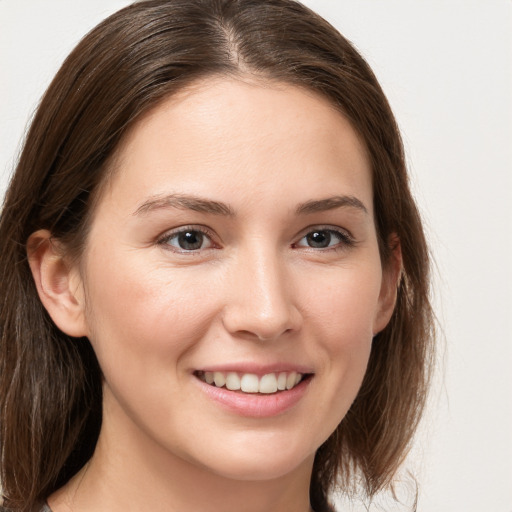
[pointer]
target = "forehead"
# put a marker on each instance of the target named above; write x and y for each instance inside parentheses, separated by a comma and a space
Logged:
(260, 138)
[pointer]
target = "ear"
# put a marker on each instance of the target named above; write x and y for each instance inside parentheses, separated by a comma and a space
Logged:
(58, 284)
(391, 274)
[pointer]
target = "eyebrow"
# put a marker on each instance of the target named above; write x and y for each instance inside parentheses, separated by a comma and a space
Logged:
(185, 202)
(331, 203)
(199, 204)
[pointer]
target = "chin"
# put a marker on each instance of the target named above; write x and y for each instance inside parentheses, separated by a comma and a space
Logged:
(259, 459)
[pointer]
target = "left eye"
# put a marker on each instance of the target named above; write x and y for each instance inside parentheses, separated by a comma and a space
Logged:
(322, 239)
(189, 240)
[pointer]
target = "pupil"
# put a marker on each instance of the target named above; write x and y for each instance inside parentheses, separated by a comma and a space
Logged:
(319, 239)
(190, 240)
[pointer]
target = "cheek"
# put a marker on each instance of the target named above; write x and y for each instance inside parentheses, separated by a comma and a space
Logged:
(345, 304)
(342, 319)
(144, 325)
(136, 315)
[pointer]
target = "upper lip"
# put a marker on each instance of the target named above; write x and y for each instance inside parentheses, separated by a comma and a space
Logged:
(256, 369)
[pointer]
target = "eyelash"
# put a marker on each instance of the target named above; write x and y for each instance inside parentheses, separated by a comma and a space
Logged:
(167, 237)
(345, 239)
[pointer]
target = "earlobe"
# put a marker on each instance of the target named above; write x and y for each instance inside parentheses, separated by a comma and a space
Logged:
(391, 276)
(58, 284)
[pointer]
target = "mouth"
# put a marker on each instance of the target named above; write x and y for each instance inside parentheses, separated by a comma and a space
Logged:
(250, 383)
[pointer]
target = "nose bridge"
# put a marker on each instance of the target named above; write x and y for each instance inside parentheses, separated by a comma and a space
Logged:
(262, 302)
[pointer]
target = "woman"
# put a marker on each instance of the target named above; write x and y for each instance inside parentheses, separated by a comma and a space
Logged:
(214, 277)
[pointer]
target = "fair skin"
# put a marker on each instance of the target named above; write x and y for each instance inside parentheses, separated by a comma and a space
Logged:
(236, 236)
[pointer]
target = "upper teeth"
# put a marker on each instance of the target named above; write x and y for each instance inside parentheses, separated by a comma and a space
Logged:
(251, 383)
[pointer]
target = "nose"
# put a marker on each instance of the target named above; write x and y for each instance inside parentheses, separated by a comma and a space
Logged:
(261, 303)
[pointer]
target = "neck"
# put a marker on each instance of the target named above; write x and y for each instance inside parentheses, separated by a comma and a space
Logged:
(132, 472)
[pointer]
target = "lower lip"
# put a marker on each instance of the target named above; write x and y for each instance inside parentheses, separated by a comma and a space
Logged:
(257, 405)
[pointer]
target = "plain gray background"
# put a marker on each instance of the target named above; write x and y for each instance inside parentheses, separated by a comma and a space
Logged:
(446, 66)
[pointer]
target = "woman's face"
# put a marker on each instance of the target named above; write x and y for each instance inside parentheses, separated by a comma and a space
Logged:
(235, 242)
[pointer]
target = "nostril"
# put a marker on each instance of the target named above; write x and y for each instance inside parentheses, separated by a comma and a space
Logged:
(248, 323)
(270, 337)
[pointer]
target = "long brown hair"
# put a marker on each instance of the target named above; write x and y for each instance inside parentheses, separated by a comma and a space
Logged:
(50, 383)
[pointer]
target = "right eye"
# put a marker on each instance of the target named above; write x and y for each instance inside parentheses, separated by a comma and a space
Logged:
(187, 240)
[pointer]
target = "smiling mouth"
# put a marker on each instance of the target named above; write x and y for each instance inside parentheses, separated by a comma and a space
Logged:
(252, 383)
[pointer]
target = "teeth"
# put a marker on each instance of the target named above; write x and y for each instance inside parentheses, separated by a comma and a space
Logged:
(232, 381)
(281, 381)
(290, 380)
(219, 379)
(268, 383)
(251, 383)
